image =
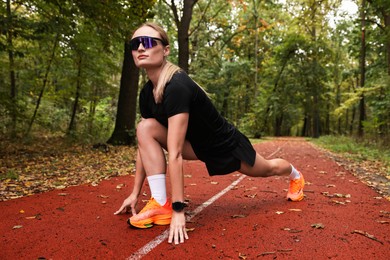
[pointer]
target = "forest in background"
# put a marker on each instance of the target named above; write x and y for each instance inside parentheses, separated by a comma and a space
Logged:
(272, 68)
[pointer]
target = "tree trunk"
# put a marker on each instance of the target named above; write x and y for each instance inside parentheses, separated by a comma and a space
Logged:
(124, 132)
(362, 109)
(278, 125)
(92, 109)
(72, 123)
(256, 50)
(386, 17)
(338, 103)
(316, 86)
(13, 91)
(306, 122)
(183, 26)
(279, 76)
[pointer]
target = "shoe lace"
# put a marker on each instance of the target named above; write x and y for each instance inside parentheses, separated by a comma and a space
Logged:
(149, 205)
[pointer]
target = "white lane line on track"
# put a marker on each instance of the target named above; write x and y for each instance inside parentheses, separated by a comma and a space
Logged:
(163, 236)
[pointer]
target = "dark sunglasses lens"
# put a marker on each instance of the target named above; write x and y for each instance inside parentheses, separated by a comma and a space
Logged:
(147, 42)
(134, 44)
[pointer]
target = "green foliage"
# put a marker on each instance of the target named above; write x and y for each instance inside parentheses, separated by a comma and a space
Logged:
(57, 46)
(270, 68)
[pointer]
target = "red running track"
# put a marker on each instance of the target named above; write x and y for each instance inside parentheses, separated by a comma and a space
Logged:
(340, 217)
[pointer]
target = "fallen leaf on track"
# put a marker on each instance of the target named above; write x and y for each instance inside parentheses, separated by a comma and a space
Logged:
(266, 253)
(338, 202)
(239, 216)
(292, 230)
(279, 212)
(285, 250)
(318, 226)
(338, 195)
(17, 227)
(37, 216)
(296, 210)
(363, 233)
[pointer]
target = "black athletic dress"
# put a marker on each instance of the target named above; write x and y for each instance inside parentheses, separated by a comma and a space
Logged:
(214, 140)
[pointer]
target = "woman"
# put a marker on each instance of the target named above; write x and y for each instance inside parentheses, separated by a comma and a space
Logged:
(178, 116)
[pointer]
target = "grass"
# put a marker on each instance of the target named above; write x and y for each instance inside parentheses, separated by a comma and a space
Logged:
(10, 174)
(355, 150)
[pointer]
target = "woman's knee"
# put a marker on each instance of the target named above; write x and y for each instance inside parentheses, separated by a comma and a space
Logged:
(146, 126)
(151, 128)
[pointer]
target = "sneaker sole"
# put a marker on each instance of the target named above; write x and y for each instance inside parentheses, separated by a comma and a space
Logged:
(161, 220)
(296, 199)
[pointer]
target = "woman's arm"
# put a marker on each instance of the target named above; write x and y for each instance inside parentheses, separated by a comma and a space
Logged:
(177, 128)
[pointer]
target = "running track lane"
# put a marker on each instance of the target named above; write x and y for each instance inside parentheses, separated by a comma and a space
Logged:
(253, 220)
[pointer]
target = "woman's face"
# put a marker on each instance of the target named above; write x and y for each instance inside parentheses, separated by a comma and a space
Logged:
(153, 57)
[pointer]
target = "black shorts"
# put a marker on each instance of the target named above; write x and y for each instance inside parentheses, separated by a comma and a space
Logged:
(229, 162)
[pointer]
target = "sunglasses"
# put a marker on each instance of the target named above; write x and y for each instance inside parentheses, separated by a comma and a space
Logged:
(147, 42)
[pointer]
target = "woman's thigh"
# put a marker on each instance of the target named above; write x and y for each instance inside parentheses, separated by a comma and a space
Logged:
(151, 128)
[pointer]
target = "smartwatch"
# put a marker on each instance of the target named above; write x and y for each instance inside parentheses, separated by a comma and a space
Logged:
(178, 206)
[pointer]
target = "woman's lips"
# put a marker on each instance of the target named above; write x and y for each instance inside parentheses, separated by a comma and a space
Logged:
(140, 57)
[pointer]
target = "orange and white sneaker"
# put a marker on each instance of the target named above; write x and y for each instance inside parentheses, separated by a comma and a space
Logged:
(152, 213)
(295, 190)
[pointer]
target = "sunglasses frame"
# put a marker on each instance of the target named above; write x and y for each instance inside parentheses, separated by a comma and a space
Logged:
(147, 42)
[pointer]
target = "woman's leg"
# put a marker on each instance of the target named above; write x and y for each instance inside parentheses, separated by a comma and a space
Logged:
(276, 167)
(266, 168)
(152, 139)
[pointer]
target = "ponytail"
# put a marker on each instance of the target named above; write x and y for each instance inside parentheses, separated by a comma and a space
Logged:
(167, 72)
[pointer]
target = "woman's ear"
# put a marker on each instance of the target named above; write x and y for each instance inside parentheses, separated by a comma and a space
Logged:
(167, 50)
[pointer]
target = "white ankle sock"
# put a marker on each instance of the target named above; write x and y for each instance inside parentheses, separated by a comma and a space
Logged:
(158, 188)
(294, 173)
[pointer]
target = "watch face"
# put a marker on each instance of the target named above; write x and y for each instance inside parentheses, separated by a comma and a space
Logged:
(178, 206)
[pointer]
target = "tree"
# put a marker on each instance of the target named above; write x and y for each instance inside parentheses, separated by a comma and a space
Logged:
(183, 22)
(124, 132)
(10, 49)
(362, 106)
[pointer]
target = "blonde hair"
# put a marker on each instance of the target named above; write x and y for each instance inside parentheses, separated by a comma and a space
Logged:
(169, 68)
(166, 75)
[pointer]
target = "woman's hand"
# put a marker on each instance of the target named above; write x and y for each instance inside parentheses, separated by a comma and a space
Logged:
(177, 231)
(130, 202)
